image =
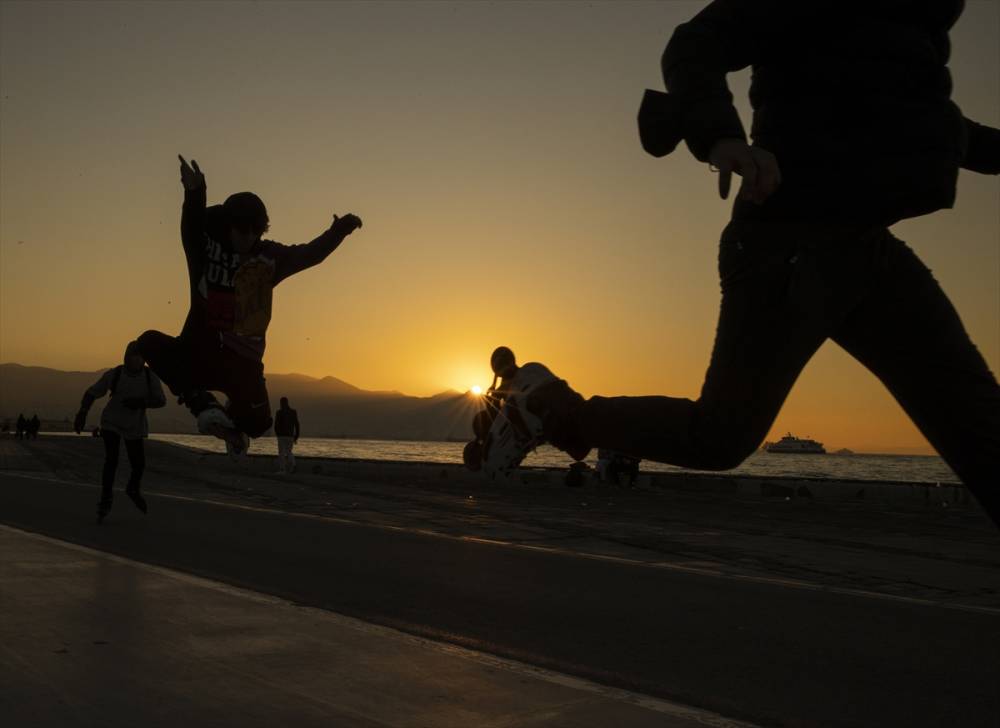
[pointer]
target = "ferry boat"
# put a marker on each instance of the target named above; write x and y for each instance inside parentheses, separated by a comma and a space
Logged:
(799, 446)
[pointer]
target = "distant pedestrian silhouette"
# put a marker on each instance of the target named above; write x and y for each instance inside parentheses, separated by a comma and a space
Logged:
(22, 426)
(854, 130)
(134, 389)
(232, 272)
(34, 425)
(286, 429)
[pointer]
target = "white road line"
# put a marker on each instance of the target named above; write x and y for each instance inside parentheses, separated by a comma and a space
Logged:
(554, 550)
(659, 705)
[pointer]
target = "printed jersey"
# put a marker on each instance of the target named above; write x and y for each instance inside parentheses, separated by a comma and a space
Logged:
(231, 294)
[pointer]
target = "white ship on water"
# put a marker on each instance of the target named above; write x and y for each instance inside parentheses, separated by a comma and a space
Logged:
(799, 446)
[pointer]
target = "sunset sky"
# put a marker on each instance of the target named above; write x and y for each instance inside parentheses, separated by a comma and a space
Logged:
(491, 150)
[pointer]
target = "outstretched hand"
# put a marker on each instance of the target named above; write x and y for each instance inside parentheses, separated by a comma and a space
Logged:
(80, 421)
(191, 176)
(758, 168)
(346, 224)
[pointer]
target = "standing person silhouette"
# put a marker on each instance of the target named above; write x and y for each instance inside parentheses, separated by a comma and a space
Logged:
(853, 130)
(286, 429)
(232, 272)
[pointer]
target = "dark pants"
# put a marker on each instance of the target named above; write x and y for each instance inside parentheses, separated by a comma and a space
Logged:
(190, 368)
(136, 460)
(787, 288)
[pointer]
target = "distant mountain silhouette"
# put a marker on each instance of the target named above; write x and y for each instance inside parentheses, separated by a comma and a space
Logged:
(327, 407)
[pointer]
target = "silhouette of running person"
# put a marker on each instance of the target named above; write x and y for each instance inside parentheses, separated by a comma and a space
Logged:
(232, 272)
(853, 131)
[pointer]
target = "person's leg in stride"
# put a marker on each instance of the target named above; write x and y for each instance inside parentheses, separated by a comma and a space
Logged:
(784, 290)
(909, 335)
(112, 443)
(137, 461)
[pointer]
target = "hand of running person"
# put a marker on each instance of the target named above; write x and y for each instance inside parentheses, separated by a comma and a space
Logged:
(346, 224)
(191, 176)
(80, 421)
(758, 168)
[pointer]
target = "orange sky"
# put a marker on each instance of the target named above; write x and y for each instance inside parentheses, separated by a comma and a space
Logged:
(491, 150)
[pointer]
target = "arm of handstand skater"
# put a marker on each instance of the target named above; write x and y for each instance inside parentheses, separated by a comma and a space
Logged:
(726, 36)
(983, 152)
(193, 210)
(295, 258)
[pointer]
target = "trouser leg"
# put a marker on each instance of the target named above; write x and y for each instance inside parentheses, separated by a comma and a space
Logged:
(112, 442)
(135, 449)
(784, 288)
(909, 335)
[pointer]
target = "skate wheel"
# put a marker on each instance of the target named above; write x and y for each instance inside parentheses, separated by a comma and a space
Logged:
(481, 423)
(472, 456)
(502, 361)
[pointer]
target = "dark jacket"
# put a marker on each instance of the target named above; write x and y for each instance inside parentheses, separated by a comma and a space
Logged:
(851, 96)
(286, 423)
(231, 293)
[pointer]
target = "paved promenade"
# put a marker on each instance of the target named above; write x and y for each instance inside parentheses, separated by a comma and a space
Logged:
(834, 615)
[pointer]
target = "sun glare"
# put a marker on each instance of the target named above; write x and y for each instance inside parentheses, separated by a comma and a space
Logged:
(476, 389)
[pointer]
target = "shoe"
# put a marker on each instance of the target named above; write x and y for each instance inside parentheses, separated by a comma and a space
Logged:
(237, 444)
(213, 420)
(559, 409)
(136, 497)
(515, 430)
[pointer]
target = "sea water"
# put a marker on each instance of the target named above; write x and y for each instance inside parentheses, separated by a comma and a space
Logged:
(905, 468)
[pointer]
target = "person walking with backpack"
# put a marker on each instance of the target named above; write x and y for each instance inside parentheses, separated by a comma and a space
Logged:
(134, 389)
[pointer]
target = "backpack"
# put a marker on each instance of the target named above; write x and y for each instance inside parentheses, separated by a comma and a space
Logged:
(118, 375)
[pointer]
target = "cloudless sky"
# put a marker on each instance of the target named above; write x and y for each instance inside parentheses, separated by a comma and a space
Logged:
(491, 150)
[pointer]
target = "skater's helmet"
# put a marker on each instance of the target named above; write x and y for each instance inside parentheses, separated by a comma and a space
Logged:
(246, 212)
(502, 362)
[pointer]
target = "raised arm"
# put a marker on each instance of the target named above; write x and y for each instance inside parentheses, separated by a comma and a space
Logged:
(296, 258)
(193, 211)
(983, 151)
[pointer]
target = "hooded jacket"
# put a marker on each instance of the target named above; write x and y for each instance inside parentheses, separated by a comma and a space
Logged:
(853, 97)
(231, 293)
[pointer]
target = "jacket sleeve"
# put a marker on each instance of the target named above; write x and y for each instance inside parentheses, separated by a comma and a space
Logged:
(155, 398)
(296, 258)
(193, 221)
(983, 151)
(97, 390)
(296, 423)
(726, 36)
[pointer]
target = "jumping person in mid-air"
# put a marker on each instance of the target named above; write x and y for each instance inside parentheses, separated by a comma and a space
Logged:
(854, 130)
(232, 273)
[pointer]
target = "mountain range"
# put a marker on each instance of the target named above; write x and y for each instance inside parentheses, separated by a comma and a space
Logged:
(327, 407)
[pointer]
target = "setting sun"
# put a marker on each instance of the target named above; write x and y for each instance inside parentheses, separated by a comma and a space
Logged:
(476, 389)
